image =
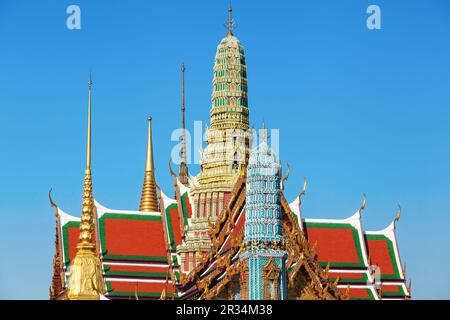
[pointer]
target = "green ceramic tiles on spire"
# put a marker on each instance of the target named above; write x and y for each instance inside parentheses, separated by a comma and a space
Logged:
(229, 95)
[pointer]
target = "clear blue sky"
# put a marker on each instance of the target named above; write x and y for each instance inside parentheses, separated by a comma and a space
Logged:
(358, 110)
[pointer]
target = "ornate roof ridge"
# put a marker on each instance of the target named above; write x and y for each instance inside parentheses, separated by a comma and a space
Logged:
(102, 210)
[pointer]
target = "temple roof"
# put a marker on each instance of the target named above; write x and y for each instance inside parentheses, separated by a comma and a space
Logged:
(132, 236)
(349, 255)
(363, 260)
(384, 252)
(185, 200)
(217, 268)
(339, 242)
(132, 245)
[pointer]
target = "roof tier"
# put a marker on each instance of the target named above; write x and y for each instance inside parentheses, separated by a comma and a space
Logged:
(355, 257)
(133, 247)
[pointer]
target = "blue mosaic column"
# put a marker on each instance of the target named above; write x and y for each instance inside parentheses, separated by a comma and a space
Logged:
(264, 252)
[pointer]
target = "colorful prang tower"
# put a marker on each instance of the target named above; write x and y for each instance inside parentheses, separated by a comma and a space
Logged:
(264, 254)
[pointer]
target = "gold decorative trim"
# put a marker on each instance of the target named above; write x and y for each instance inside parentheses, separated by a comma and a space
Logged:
(271, 276)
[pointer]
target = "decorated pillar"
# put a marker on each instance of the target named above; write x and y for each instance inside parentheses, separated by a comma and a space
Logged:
(264, 252)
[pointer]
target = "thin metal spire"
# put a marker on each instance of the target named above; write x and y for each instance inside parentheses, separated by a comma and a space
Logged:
(230, 23)
(183, 172)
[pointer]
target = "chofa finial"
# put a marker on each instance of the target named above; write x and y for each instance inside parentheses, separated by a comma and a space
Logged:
(399, 213)
(172, 173)
(302, 193)
(286, 176)
(50, 198)
(363, 205)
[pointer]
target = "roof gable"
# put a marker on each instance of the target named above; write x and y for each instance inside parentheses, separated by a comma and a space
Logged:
(172, 221)
(70, 232)
(339, 242)
(383, 251)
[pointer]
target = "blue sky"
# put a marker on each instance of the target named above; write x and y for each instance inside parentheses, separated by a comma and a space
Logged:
(358, 111)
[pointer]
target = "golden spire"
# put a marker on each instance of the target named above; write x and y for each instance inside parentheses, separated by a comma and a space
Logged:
(86, 281)
(183, 173)
(148, 199)
(230, 23)
(88, 144)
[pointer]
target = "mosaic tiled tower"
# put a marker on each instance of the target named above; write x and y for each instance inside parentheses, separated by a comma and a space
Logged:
(264, 256)
(227, 149)
(227, 139)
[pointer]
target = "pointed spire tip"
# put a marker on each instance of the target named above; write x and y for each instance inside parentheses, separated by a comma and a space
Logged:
(183, 172)
(230, 23)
